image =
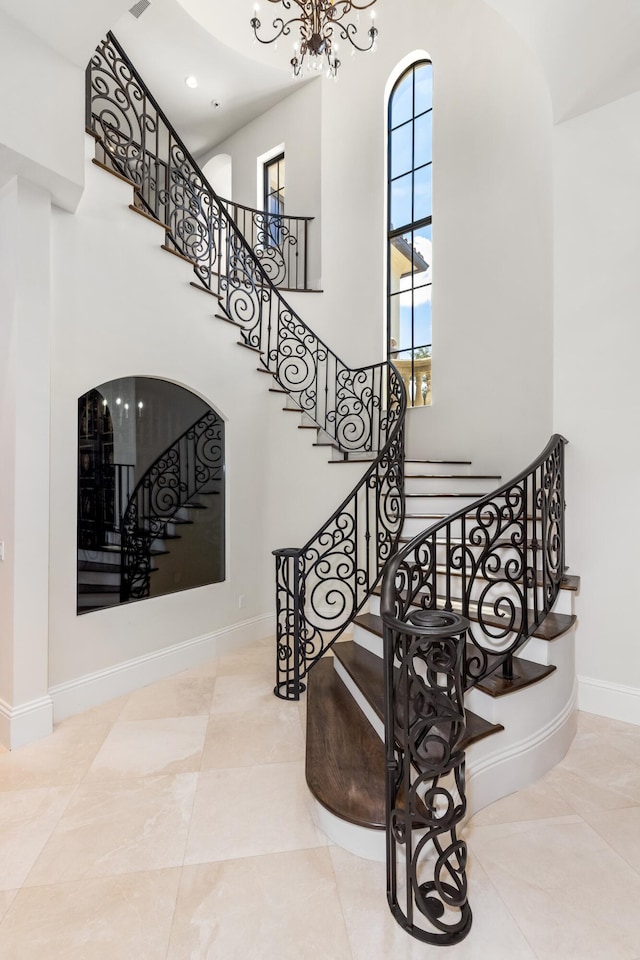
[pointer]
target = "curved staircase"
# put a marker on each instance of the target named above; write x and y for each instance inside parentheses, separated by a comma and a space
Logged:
(490, 562)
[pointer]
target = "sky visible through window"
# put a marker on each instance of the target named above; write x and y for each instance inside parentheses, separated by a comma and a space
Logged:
(410, 163)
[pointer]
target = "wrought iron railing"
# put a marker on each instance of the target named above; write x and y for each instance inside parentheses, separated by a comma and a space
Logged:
(192, 465)
(322, 586)
(457, 602)
(358, 410)
(136, 139)
(280, 242)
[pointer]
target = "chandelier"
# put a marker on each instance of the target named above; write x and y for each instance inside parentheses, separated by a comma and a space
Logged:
(320, 21)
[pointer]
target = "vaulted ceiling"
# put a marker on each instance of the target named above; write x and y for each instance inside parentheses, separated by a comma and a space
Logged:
(589, 51)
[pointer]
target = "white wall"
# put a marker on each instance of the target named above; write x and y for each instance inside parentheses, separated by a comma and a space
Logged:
(597, 401)
(122, 307)
(41, 114)
(295, 122)
(492, 298)
(25, 343)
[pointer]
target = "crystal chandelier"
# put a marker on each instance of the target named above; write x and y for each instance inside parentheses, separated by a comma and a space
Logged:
(320, 22)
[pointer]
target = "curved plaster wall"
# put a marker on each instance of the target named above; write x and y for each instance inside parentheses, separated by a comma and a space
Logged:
(492, 232)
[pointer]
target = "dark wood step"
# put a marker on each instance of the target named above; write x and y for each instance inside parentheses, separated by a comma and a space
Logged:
(455, 463)
(279, 390)
(221, 316)
(300, 289)
(525, 672)
(106, 588)
(553, 626)
(449, 476)
(248, 346)
(114, 173)
(452, 496)
(367, 672)
(345, 758)
(203, 289)
(148, 216)
(94, 566)
(176, 253)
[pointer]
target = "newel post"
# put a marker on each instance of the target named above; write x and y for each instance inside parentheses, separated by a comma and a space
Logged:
(424, 731)
(289, 617)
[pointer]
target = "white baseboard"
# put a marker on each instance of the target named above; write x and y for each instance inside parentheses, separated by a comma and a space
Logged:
(93, 689)
(612, 700)
(517, 765)
(25, 723)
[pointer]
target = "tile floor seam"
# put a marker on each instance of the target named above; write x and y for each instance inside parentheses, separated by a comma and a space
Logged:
(340, 901)
(175, 908)
(508, 910)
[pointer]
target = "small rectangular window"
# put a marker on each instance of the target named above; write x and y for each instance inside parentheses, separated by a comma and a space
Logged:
(274, 195)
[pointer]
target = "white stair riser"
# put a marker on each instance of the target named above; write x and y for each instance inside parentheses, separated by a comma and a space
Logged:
(442, 505)
(424, 484)
(438, 468)
(413, 525)
(536, 649)
(505, 553)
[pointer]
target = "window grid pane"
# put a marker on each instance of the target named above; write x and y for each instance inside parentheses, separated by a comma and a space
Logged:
(409, 230)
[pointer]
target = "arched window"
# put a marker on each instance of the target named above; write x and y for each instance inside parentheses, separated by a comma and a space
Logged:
(409, 229)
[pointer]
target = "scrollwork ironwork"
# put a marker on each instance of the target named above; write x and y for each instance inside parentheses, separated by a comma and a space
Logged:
(425, 726)
(192, 465)
(233, 250)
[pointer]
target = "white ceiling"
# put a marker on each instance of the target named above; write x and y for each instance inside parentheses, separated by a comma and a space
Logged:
(589, 51)
(166, 45)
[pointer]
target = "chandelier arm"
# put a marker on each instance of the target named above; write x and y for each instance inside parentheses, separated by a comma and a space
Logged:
(346, 6)
(350, 30)
(282, 28)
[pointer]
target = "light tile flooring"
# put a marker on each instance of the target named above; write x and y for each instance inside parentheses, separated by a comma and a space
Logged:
(174, 824)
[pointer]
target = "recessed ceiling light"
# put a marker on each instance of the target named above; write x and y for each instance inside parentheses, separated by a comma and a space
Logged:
(191, 82)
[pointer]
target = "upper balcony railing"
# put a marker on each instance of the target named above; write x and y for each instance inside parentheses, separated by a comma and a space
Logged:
(280, 243)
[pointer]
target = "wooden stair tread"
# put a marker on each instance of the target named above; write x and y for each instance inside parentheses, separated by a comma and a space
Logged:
(176, 253)
(248, 346)
(114, 173)
(211, 293)
(345, 758)
(495, 685)
(431, 496)
(367, 672)
(148, 216)
(449, 476)
(221, 316)
(96, 588)
(457, 463)
(95, 566)
(552, 627)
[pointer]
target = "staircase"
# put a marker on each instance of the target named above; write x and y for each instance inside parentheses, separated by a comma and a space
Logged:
(451, 586)
(347, 775)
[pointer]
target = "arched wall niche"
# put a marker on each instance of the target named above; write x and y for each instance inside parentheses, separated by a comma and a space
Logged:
(219, 172)
(151, 492)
